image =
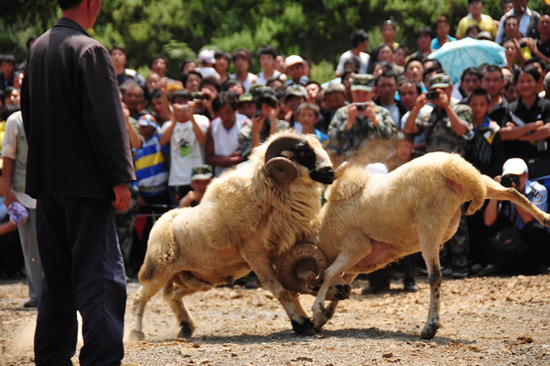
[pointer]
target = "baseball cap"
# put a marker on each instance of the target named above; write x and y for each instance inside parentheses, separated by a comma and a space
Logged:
(335, 87)
(246, 98)
(514, 166)
(364, 82)
(293, 60)
(202, 172)
(207, 56)
(440, 81)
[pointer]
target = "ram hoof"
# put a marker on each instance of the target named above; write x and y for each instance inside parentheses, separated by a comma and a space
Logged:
(186, 330)
(304, 329)
(343, 292)
(136, 336)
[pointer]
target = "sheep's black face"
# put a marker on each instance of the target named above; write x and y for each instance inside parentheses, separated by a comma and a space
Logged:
(304, 155)
(323, 175)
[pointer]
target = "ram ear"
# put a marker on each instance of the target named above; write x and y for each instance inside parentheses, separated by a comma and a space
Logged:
(282, 170)
(301, 268)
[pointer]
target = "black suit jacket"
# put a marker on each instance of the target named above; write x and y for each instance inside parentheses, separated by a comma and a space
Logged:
(78, 143)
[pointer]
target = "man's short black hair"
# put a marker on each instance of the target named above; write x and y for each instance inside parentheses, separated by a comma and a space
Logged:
(471, 71)
(31, 39)
(405, 81)
(241, 52)
(386, 74)
(226, 98)
(529, 70)
(414, 58)
(222, 54)
(493, 68)
(423, 31)
(115, 48)
(268, 50)
(358, 36)
(130, 84)
(536, 60)
(186, 74)
(155, 94)
(68, 4)
(156, 57)
(479, 92)
(211, 80)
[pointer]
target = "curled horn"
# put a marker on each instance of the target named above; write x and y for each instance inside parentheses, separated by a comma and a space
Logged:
(301, 268)
(279, 168)
(341, 168)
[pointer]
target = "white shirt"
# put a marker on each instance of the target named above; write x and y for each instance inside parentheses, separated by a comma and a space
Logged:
(363, 58)
(226, 141)
(185, 150)
(262, 81)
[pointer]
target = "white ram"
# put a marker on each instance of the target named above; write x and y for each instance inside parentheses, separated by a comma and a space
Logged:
(370, 221)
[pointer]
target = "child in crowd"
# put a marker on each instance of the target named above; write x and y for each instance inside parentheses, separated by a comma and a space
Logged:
(200, 179)
(186, 134)
(307, 115)
(150, 165)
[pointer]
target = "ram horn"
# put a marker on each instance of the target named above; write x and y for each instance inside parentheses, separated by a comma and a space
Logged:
(301, 268)
(340, 170)
(279, 145)
(282, 170)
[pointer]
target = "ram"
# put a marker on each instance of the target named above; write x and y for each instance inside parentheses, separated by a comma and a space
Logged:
(247, 218)
(370, 221)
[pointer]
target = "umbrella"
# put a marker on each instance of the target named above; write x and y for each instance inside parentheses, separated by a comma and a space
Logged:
(459, 55)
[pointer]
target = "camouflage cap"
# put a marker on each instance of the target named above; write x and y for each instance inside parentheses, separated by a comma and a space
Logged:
(439, 81)
(202, 172)
(364, 82)
(246, 98)
(296, 90)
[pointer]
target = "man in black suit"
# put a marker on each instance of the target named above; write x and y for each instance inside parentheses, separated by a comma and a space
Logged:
(79, 162)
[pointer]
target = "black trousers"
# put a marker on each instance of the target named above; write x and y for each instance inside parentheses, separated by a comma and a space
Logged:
(84, 272)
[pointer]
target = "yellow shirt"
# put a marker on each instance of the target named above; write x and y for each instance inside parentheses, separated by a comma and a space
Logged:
(487, 24)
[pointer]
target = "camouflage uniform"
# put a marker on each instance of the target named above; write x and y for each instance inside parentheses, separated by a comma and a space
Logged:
(362, 129)
(439, 134)
(245, 135)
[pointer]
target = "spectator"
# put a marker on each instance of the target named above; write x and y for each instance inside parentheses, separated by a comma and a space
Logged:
(241, 59)
(7, 68)
(159, 65)
(473, 31)
(294, 96)
(222, 149)
(280, 63)
(159, 101)
(510, 91)
(400, 55)
(493, 82)
(186, 134)
(308, 115)
(14, 153)
(267, 56)
(152, 81)
(335, 98)
(12, 96)
(442, 29)
(133, 97)
(191, 80)
(187, 65)
(386, 89)
(414, 70)
(294, 68)
(424, 37)
(118, 57)
(260, 127)
(526, 134)
(507, 5)
(484, 22)
(201, 177)
(514, 54)
(515, 173)
(206, 60)
(314, 94)
(541, 47)
(362, 120)
(527, 20)
(18, 79)
(246, 106)
(409, 90)
(469, 80)
(151, 168)
(359, 42)
(234, 86)
(79, 163)
(388, 31)
(221, 65)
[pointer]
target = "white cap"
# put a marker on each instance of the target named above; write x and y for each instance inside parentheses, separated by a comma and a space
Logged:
(207, 56)
(293, 60)
(514, 166)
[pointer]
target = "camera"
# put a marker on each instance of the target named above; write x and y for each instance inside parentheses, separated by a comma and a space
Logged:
(200, 96)
(361, 106)
(434, 94)
(522, 44)
(508, 179)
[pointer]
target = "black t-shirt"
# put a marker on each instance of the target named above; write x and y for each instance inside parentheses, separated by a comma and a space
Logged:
(540, 110)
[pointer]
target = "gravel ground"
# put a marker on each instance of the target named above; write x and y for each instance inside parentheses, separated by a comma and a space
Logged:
(487, 321)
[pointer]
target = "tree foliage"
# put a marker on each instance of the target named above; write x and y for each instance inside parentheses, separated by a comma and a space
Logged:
(178, 29)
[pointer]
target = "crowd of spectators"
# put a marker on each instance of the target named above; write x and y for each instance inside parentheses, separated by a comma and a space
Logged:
(389, 105)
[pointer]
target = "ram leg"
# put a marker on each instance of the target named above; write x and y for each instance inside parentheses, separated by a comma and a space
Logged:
(143, 295)
(173, 294)
(430, 253)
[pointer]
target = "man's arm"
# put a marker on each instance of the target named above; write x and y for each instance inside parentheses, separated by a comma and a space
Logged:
(411, 126)
(9, 152)
(166, 133)
(7, 173)
(459, 125)
(218, 160)
(199, 133)
(513, 132)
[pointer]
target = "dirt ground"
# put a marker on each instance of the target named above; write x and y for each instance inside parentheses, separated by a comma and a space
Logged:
(487, 321)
